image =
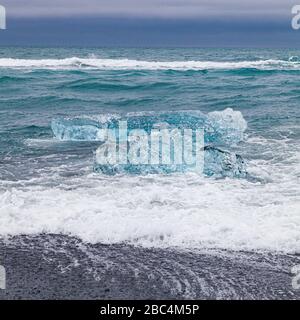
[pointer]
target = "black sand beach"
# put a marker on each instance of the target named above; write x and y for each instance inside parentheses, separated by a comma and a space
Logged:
(61, 267)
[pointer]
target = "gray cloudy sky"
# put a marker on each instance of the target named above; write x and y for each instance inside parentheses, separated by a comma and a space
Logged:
(144, 8)
(225, 23)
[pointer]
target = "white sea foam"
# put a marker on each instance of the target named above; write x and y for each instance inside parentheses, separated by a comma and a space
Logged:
(186, 211)
(127, 64)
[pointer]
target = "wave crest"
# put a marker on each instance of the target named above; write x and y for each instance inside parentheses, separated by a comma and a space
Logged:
(130, 64)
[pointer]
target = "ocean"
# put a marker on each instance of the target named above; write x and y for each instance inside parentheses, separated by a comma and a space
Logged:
(52, 196)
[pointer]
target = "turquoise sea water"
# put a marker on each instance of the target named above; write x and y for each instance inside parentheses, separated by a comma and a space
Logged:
(48, 184)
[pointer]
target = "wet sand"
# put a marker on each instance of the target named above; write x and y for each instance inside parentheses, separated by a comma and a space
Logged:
(61, 267)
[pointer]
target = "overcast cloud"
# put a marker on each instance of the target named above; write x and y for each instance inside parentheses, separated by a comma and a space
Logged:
(147, 8)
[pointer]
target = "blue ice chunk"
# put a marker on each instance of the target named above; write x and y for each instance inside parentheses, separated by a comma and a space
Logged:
(220, 127)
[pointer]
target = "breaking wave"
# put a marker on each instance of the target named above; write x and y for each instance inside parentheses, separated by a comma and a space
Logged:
(129, 64)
